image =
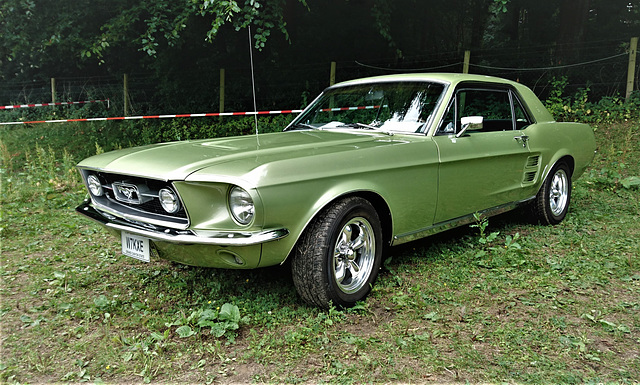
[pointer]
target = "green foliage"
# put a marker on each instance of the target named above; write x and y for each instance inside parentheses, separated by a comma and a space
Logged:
(163, 45)
(152, 24)
(157, 131)
(219, 322)
(612, 177)
(621, 172)
(44, 175)
(489, 255)
(578, 108)
(499, 6)
(73, 111)
(381, 12)
(481, 224)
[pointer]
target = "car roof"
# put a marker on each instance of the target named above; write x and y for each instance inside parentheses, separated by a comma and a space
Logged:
(449, 78)
(535, 105)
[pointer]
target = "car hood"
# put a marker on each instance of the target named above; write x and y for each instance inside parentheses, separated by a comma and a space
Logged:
(245, 157)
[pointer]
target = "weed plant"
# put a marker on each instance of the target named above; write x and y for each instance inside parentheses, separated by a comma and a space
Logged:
(501, 301)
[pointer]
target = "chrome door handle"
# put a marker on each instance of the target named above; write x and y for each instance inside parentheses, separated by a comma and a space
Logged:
(522, 140)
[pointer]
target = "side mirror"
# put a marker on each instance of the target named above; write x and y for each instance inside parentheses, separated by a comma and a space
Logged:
(470, 122)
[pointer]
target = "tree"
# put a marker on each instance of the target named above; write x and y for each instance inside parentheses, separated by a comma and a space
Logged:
(574, 15)
(38, 36)
(39, 33)
(174, 40)
(165, 20)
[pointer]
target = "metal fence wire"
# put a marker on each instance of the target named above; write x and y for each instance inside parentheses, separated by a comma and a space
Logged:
(600, 67)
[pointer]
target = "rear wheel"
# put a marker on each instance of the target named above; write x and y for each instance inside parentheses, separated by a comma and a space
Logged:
(338, 257)
(552, 202)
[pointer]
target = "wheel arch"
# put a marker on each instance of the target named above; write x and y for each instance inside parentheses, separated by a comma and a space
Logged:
(377, 201)
(542, 206)
(381, 207)
(566, 158)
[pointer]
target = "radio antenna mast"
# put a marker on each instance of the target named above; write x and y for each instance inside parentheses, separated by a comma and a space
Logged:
(253, 82)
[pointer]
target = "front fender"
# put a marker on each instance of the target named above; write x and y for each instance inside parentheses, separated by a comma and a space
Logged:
(299, 209)
(408, 194)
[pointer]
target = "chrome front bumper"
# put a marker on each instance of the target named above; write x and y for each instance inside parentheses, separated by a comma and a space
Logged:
(185, 237)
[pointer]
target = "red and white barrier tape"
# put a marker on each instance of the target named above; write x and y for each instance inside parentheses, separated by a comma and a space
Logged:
(50, 104)
(160, 116)
(350, 108)
(275, 112)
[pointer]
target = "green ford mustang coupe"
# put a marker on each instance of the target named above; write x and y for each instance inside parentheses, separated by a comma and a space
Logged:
(369, 164)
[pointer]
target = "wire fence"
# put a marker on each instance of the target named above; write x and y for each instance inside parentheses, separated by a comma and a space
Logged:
(601, 67)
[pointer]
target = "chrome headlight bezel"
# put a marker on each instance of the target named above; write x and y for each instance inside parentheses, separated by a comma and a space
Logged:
(241, 206)
(94, 185)
(169, 200)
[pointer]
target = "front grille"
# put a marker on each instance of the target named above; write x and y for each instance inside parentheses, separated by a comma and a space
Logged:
(144, 203)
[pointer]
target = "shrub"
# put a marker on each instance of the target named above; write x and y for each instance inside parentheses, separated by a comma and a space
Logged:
(159, 130)
(578, 108)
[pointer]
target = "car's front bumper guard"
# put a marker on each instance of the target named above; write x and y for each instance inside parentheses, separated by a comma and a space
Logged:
(222, 238)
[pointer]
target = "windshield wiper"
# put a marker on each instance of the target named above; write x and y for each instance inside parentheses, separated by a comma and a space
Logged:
(303, 125)
(358, 125)
(367, 126)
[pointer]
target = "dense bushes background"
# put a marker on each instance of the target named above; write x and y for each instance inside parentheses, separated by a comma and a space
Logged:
(109, 135)
(579, 107)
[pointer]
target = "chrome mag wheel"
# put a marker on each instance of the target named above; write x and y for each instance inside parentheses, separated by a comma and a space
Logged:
(354, 255)
(559, 192)
(337, 258)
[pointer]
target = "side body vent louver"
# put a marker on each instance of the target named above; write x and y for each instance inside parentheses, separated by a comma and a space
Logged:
(531, 170)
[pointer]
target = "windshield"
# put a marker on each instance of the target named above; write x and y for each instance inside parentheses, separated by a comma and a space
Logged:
(389, 106)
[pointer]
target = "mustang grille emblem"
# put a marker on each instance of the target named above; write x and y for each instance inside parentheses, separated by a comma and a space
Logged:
(127, 193)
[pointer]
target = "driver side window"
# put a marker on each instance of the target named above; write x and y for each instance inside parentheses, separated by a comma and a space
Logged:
(494, 106)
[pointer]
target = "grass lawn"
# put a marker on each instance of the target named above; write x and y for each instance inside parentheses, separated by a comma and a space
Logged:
(514, 302)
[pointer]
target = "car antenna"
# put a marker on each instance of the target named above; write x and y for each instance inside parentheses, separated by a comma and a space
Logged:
(253, 82)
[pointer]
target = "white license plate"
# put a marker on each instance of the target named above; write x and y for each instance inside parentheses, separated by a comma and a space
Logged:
(135, 246)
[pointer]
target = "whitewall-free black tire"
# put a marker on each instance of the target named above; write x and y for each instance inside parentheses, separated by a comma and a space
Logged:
(337, 258)
(552, 202)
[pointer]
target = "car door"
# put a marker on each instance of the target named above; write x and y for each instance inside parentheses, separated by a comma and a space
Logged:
(483, 166)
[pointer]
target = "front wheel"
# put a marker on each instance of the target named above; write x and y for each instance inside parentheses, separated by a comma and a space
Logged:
(337, 258)
(552, 202)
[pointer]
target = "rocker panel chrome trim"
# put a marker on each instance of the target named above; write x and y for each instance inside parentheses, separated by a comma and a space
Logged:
(457, 222)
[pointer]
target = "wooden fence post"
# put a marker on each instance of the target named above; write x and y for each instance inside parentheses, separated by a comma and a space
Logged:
(126, 94)
(467, 59)
(332, 77)
(633, 49)
(221, 90)
(53, 90)
(332, 81)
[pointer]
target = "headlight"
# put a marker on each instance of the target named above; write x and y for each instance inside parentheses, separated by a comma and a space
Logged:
(241, 205)
(95, 187)
(169, 200)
